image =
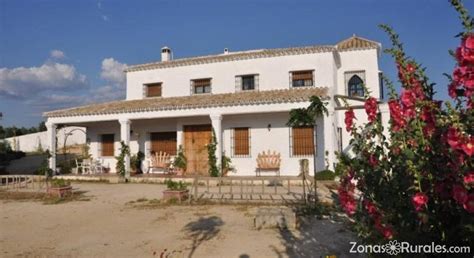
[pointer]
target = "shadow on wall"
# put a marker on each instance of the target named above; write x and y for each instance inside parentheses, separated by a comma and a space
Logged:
(202, 230)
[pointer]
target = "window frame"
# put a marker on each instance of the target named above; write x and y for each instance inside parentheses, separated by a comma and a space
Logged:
(233, 143)
(239, 79)
(292, 142)
(193, 86)
(348, 75)
(291, 75)
(147, 85)
(102, 141)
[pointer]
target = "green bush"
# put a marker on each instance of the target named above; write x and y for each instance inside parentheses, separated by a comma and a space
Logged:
(60, 183)
(175, 186)
(325, 175)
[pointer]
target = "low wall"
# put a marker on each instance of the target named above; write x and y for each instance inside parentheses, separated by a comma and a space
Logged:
(35, 141)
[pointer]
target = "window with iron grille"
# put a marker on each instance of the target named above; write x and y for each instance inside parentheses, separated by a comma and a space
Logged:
(240, 142)
(153, 90)
(355, 83)
(164, 142)
(201, 86)
(107, 145)
(302, 78)
(302, 140)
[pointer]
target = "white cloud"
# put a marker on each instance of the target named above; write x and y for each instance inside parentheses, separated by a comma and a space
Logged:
(22, 82)
(105, 17)
(57, 54)
(113, 71)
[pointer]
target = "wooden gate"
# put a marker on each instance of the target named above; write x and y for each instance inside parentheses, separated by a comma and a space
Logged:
(196, 138)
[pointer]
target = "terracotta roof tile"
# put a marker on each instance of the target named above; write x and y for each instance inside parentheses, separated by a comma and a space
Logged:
(356, 42)
(232, 56)
(195, 101)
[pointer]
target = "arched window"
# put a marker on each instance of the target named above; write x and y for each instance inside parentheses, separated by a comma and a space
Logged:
(355, 87)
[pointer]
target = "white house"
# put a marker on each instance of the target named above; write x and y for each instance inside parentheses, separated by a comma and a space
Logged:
(244, 96)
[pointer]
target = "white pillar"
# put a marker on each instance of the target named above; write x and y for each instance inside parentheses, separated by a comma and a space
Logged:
(216, 120)
(125, 137)
(52, 144)
(330, 143)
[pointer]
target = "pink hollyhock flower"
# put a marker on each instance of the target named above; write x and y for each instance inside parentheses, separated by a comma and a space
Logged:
(468, 146)
(419, 200)
(349, 117)
(408, 98)
(459, 194)
(371, 108)
(453, 138)
(370, 207)
(373, 161)
(398, 122)
(466, 51)
(469, 178)
(469, 204)
(452, 90)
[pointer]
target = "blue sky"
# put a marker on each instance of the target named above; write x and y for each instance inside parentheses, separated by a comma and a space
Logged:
(58, 53)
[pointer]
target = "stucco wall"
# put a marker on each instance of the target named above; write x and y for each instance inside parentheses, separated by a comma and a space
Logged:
(31, 142)
(273, 74)
(277, 138)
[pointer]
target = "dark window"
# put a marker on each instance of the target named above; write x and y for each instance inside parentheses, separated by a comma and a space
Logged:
(241, 142)
(248, 82)
(164, 142)
(356, 87)
(200, 86)
(381, 85)
(302, 78)
(107, 142)
(153, 90)
(302, 141)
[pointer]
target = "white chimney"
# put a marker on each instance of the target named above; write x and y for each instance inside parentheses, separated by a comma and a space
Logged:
(166, 54)
(226, 51)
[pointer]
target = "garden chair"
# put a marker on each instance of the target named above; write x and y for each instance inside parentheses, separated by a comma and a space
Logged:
(268, 162)
(86, 166)
(161, 160)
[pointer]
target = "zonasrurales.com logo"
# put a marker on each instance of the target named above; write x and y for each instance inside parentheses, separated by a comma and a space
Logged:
(393, 247)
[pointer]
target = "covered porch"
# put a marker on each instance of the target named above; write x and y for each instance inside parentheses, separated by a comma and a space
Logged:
(260, 125)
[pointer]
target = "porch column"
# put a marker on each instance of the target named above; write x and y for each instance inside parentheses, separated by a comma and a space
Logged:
(216, 120)
(125, 137)
(51, 140)
(330, 133)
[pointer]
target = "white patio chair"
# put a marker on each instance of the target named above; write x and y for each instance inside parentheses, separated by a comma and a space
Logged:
(86, 166)
(97, 166)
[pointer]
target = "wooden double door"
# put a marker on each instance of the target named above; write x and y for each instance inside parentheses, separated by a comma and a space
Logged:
(196, 139)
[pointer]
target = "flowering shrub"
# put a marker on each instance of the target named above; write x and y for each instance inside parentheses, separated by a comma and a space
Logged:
(416, 186)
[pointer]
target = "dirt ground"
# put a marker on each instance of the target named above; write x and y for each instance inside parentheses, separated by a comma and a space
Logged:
(122, 220)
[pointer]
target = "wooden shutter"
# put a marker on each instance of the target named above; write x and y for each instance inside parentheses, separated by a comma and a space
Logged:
(241, 141)
(163, 141)
(153, 90)
(107, 142)
(202, 82)
(303, 141)
(302, 75)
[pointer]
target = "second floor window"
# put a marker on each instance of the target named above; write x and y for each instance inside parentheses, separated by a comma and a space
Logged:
(301, 78)
(246, 82)
(153, 89)
(355, 83)
(201, 86)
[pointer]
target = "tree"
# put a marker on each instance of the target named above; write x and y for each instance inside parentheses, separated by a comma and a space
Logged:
(307, 117)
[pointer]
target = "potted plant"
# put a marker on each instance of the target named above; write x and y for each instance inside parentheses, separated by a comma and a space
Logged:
(175, 191)
(180, 162)
(59, 188)
(136, 163)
